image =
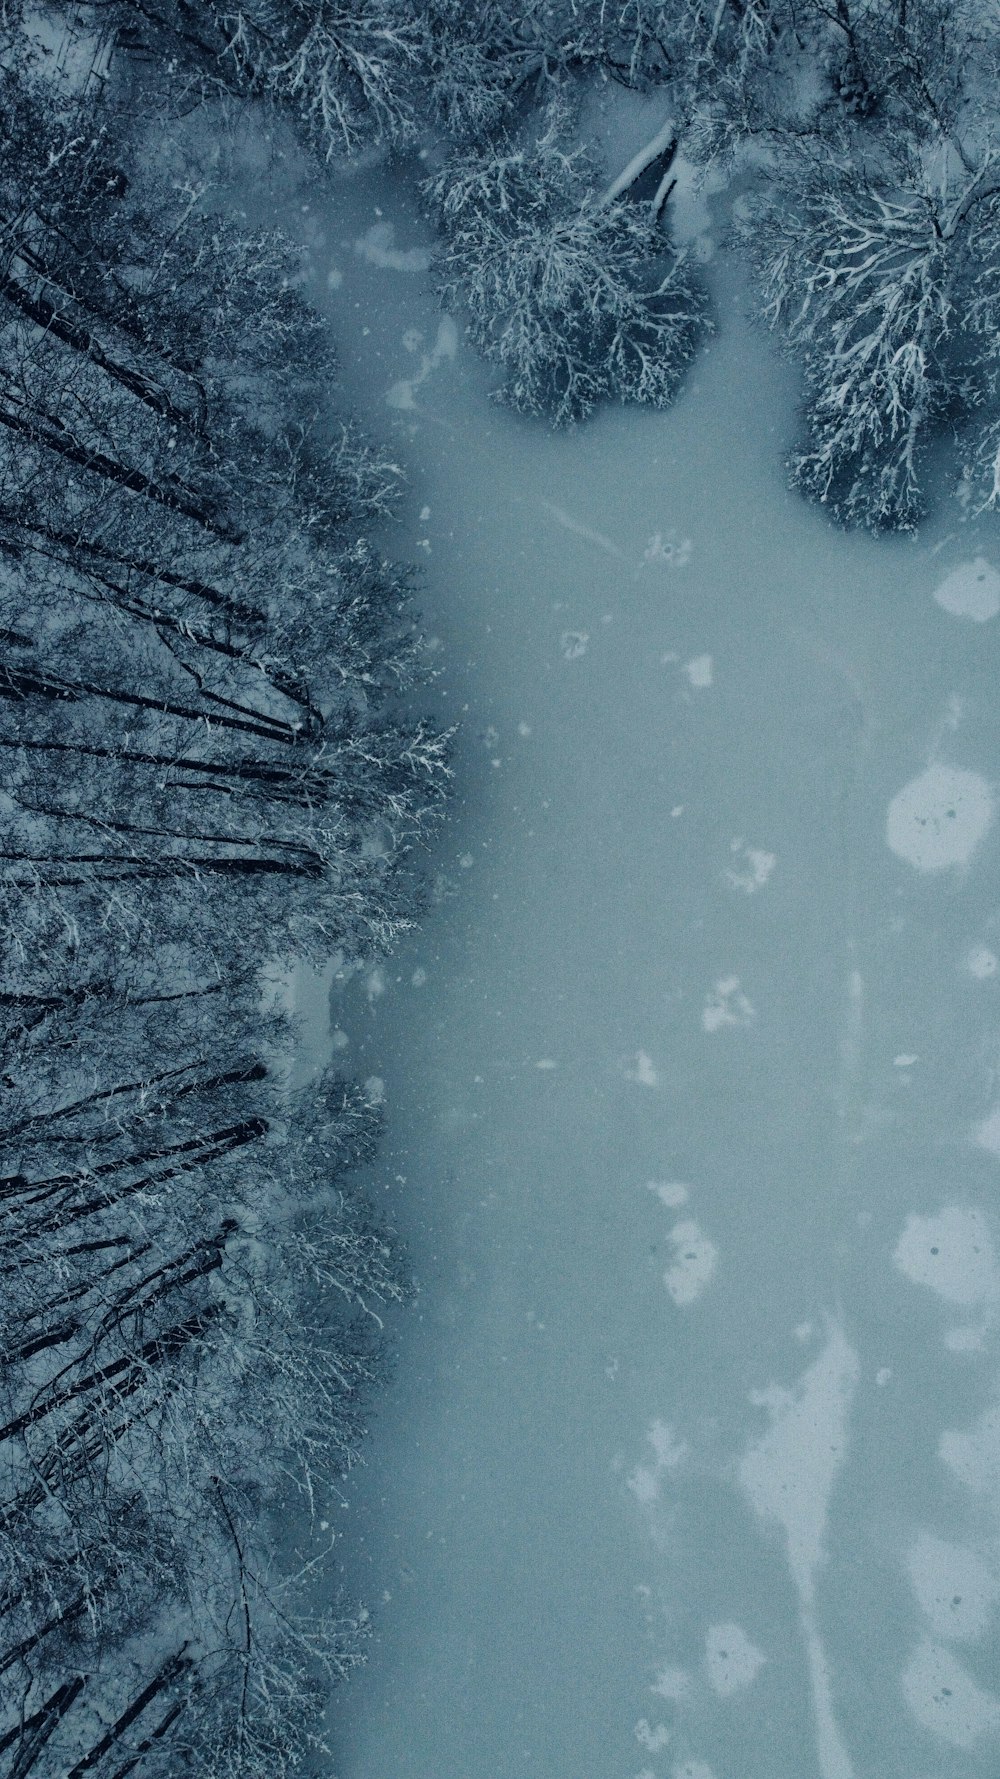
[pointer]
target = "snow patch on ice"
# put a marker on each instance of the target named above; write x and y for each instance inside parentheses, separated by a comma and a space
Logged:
(672, 1683)
(982, 963)
(649, 1738)
(669, 1192)
(694, 1265)
(667, 550)
(758, 866)
(789, 1475)
(987, 1133)
(642, 1070)
(726, 1005)
(732, 1662)
(668, 1453)
(971, 591)
(939, 818)
(951, 1253)
(376, 246)
(573, 644)
(953, 1586)
(945, 1700)
(403, 394)
(973, 1455)
(692, 1769)
(699, 671)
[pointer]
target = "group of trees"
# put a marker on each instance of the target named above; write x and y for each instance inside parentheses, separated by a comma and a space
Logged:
(870, 127)
(207, 772)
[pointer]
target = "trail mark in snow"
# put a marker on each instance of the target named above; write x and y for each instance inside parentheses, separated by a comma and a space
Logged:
(578, 529)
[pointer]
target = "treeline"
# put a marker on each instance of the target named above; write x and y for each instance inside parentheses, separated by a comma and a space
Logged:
(869, 129)
(206, 775)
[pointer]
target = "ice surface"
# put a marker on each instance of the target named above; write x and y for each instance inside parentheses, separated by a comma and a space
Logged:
(685, 1385)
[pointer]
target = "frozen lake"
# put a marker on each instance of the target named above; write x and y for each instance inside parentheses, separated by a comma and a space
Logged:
(691, 1465)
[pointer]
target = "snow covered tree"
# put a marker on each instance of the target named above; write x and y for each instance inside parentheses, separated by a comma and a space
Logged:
(190, 1297)
(577, 298)
(876, 245)
(203, 768)
(342, 73)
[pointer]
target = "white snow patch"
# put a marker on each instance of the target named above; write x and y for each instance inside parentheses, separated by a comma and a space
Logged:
(971, 591)
(403, 394)
(987, 1133)
(726, 1005)
(905, 1061)
(731, 1660)
(945, 1700)
(699, 671)
(973, 1456)
(376, 246)
(374, 1090)
(789, 1472)
(339, 1038)
(419, 976)
(953, 1587)
(668, 1453)
(642, 1070)
(672, 1683)
(375, 984)
(694, 1265)
(951, 1253)
(669, 1192)
(546, 1062)
(667, 549)
(939, 818)
(692, 1769)
(573, 644)
(334, 278)
(649, 1738)
(758, 867)
(981, 962)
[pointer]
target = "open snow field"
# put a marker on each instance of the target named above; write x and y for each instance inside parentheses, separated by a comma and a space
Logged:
(691, 1466)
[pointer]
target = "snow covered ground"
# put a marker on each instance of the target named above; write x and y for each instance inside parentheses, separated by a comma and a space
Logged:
(691, 1466)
